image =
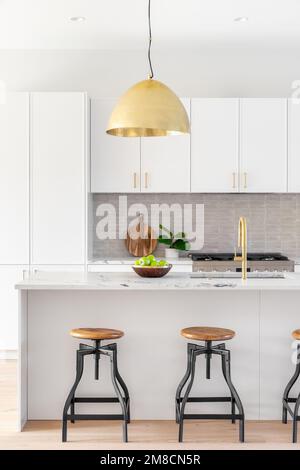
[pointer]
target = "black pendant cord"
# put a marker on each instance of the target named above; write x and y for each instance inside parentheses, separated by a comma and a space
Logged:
(151, 75)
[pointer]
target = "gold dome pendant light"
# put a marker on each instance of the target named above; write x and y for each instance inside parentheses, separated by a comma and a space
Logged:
(149, 108)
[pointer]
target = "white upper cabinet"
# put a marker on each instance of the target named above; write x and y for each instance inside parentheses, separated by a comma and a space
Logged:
(115, 161)
(294, 146)
(263, 140)
(165, 162)
(235, 145)
(215, 145)
(58, 169)
(14, 185)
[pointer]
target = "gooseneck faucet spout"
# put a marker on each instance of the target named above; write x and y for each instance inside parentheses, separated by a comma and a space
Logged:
(242, 243)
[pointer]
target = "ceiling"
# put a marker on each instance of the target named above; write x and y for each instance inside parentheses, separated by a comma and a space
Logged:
(122, 24)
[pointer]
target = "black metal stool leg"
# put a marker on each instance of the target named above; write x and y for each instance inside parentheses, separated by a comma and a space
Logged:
(289, 387)
(295, 419)
(124, 388)
(233, 392)
(187, 392)
(208, 358)
(232, 397)
(79, 371)
(72, 410)
(113, 358)
(97, 358)
(183, 382)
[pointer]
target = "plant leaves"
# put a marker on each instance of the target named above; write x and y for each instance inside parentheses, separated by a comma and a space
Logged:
(165, 241)
(180, 235)
(164, 229)
(180, 244)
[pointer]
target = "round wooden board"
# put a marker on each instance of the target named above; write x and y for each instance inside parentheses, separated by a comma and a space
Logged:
(141, 245)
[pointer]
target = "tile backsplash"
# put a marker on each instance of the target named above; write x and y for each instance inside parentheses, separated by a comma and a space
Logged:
(273, 221)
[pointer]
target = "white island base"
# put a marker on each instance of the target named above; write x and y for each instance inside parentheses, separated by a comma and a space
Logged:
(152, 354)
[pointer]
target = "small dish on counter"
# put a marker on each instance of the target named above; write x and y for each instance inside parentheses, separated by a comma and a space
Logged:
(152, 271)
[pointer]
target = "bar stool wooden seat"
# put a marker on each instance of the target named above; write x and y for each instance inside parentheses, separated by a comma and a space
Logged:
(207, 335)
(296, 334)
(96, 333)
(97, 349)
(286, 400)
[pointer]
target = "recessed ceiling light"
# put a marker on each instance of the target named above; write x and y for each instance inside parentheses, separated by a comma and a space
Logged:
(241, 19)
(77, 19)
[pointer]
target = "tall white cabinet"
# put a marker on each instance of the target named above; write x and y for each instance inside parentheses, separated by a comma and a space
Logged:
(263, 137)
(14, 209)
(14, 181)
(215, 145)
(43, 147)
(58, 190)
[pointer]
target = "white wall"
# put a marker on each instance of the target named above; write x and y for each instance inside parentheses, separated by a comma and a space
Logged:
(238, 71)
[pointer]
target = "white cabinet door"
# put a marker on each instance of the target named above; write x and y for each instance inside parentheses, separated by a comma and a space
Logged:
(165, 162)
(14, 164)
(58, 143)
(263, 145)
(294, 146)
(214, 145)
(9, 276)
(115, 161)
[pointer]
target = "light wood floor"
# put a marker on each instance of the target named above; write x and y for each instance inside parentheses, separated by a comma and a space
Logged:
(142, 434)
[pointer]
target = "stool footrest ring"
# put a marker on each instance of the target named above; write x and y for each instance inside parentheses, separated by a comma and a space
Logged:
(96, 400)
(289, 400)
(289, 409)
(83, 417)
(206, 399)
(212, 416)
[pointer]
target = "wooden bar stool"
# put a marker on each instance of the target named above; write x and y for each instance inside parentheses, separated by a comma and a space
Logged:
(286, 400)
(97, 335)
(208, 335)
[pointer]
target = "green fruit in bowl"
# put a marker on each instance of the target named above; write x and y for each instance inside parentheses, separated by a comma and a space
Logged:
(163, 263)
(144, 261)
(151, 262)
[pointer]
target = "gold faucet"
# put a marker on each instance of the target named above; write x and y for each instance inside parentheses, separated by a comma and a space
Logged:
(242, 243)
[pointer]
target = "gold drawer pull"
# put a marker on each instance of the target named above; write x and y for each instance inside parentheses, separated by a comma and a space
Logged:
(146, 180)
(245, 180)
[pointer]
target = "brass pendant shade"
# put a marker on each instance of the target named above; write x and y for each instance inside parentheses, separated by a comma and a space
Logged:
(148, 109)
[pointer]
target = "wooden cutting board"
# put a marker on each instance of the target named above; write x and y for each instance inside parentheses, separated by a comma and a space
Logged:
(140, 240)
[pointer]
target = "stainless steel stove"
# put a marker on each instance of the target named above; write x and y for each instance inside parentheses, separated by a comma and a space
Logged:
(255, 262)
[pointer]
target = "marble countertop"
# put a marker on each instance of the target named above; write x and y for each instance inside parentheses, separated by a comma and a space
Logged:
(131, 281)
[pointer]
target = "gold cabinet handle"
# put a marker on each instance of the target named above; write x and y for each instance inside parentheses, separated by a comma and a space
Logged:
(245, 180)
(146, 180)
(233, 180)
(134, 180)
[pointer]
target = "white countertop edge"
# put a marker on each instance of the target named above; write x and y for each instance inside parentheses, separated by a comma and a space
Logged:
(178, 281)
(145, 289)
(130, 261)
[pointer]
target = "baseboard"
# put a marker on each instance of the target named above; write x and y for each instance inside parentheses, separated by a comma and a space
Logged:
(8, 354)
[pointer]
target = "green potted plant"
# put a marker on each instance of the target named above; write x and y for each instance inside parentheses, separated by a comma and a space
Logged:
(175, 242)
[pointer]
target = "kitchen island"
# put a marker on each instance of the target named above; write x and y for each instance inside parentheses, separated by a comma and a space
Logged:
(152, 354)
